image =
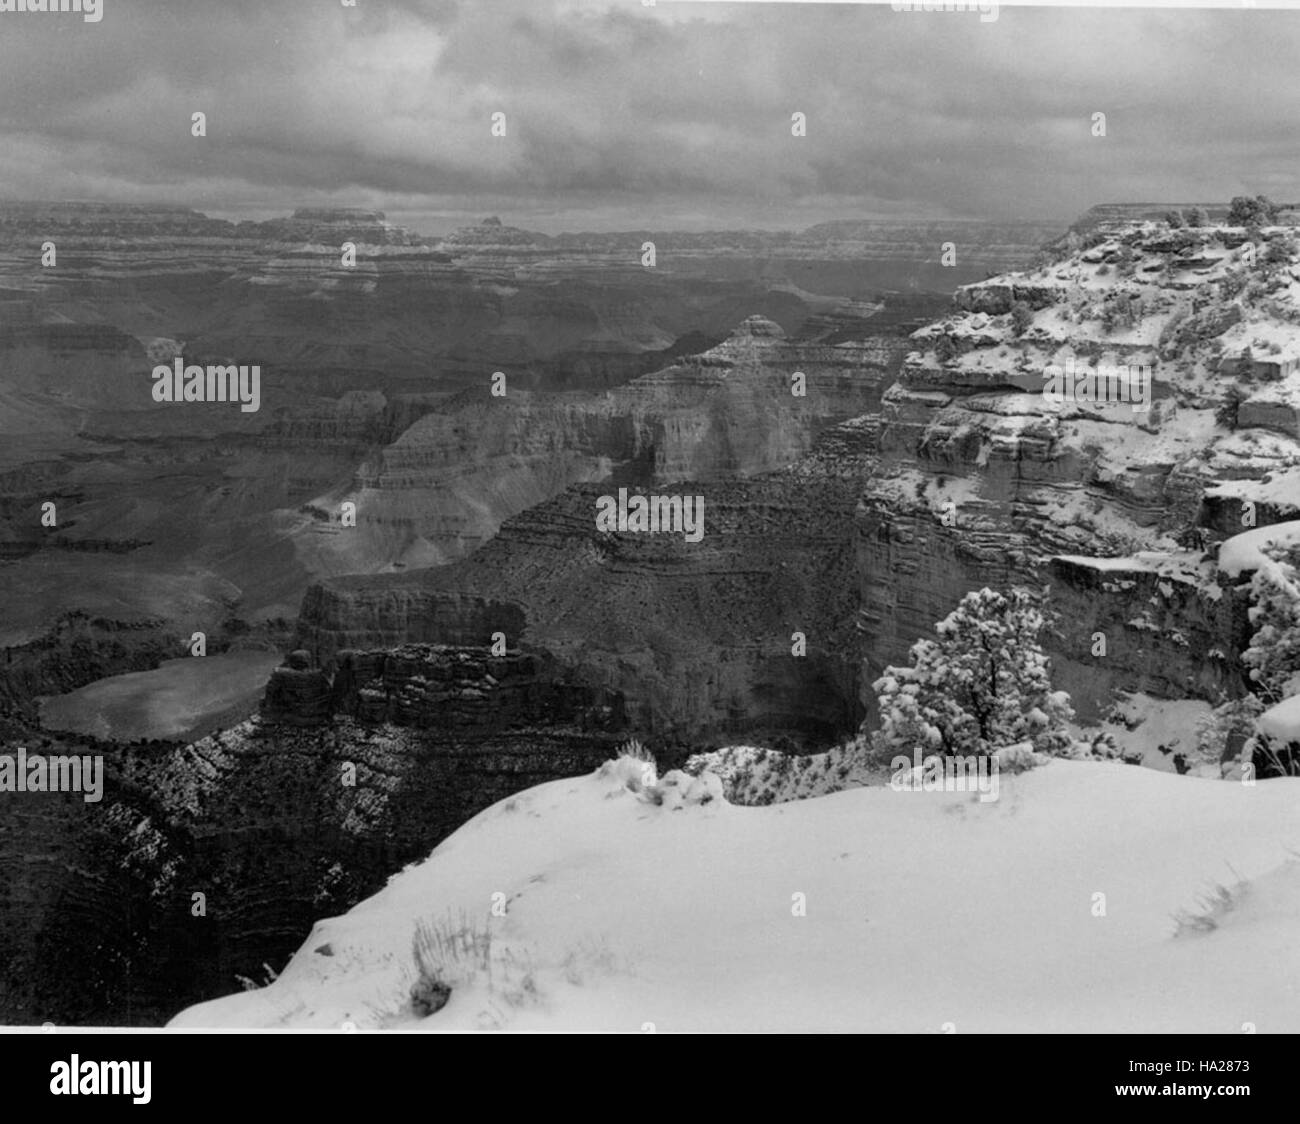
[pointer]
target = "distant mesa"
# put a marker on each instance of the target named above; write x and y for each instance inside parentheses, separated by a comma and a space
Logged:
(337, 214)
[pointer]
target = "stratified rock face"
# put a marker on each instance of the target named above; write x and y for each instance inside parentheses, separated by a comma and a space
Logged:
(755, 402)
(751, 628)
(455, 691)
(360, 613)
(987, 479)
(1171, 632)
(460, 690)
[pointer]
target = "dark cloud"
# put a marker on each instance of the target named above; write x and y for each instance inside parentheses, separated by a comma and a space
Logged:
(619, 113)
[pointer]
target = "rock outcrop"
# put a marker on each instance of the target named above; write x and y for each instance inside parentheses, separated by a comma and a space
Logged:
(297, 693)
(986, 479)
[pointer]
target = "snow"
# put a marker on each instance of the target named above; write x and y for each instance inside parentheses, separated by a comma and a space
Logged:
(1280, 488)
(1129, 563)
(918, 909)
(1152, 730)
(1245, 551)
(1282, 722)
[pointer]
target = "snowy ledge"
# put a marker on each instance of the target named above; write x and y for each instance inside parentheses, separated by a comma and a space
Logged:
(1052, 909)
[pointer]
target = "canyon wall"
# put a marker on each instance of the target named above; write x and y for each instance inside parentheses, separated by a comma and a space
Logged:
(960, 471)
(1116, 512)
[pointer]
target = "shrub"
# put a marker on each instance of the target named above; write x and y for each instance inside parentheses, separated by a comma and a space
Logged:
(1119, 310)
(1273, 656)
(945, 348)
(447, 954)
(1022, 316)
(1229, 721)
(1226, 412)
(1280, 253)
(1211, 909)
(1246, 211)
(633, 748)
(1198, 216)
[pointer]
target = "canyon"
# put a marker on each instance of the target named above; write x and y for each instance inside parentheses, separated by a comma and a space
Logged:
(131, 527)
(869, 447)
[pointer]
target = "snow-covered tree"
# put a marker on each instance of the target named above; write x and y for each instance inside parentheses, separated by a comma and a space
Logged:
(1231, 720)
(1273, 663)
(1274, 653)
(981, 685)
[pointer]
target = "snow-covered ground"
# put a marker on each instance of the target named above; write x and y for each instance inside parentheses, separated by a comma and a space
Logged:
(1282, 722)
(1152, 731)
(1246, 551)
(868, 909)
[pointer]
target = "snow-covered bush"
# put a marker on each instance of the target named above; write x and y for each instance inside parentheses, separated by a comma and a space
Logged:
(1019, 758)
(982, 684)
(680, 790)
(1229, 721)
(1273, 662)
(751, 775)
(1273, 656)
(675, 789)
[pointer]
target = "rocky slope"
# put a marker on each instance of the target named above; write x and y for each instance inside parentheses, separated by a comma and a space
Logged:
(270, 822)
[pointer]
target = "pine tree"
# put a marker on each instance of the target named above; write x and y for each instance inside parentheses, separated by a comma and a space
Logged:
(1273, 656)
(982, 685)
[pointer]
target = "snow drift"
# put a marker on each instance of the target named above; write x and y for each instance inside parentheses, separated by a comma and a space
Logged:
(1090, 896)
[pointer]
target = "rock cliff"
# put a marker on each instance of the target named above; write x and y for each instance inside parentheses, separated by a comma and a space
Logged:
(986, 478)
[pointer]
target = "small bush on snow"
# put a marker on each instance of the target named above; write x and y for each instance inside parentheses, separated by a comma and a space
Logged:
(675, 790)
(1019, 758)
(1212, 909)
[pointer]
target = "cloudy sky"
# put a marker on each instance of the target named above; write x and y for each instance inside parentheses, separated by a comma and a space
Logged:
(622, 115)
